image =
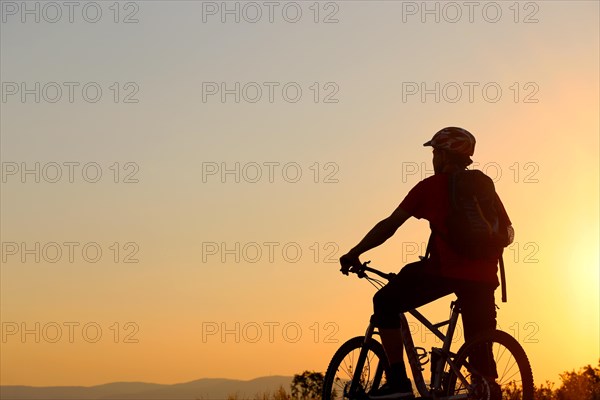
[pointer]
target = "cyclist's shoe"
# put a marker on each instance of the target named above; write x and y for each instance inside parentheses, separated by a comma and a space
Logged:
(495, 391)
(487, 389)
(390, 392)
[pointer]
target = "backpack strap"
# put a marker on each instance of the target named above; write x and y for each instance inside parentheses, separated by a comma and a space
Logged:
(502, 278)
(452, 178)
(428, 249)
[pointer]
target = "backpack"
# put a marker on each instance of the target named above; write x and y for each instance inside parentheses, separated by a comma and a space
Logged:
(478, 226)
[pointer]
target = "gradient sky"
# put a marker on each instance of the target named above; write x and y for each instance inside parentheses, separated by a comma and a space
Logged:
(357, 145)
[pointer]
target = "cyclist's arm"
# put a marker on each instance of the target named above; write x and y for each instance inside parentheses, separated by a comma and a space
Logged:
(381, 232)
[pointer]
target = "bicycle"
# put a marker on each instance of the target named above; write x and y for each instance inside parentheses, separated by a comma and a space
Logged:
(360, 364)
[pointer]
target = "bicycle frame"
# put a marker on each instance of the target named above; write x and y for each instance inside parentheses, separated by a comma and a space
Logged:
(413, 360)
(411, 353)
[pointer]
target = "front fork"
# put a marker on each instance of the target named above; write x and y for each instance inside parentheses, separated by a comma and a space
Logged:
(356, 390)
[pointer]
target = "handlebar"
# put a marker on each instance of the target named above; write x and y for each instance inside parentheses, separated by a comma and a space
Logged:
(364, 268)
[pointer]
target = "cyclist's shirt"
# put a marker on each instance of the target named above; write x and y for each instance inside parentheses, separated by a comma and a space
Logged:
(429, 199)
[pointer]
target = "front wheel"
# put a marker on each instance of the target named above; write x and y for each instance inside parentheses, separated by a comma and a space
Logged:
(343, 365)
(492, 366)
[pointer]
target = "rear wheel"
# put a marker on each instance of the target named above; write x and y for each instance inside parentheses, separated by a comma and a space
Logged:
(341, 370)
(514, 379)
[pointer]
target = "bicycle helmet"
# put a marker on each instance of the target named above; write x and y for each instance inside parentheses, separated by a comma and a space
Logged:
(453, 139)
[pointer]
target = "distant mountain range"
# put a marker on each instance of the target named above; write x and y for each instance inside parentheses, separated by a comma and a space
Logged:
(201, 389)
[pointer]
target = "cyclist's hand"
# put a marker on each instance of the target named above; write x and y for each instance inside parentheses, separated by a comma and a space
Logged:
(348, 262)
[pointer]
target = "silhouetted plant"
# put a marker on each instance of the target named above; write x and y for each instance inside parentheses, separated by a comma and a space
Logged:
(545, 392)
(308, 385)
(581, 385)
(512, 391)
(281, 394)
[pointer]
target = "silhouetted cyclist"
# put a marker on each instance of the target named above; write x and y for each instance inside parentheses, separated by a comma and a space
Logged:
(443, 272)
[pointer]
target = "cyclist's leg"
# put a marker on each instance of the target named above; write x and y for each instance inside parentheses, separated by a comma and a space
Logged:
(411, 288)
(479, 314)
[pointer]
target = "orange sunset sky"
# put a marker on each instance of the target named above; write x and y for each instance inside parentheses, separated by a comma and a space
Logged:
(179, 178)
